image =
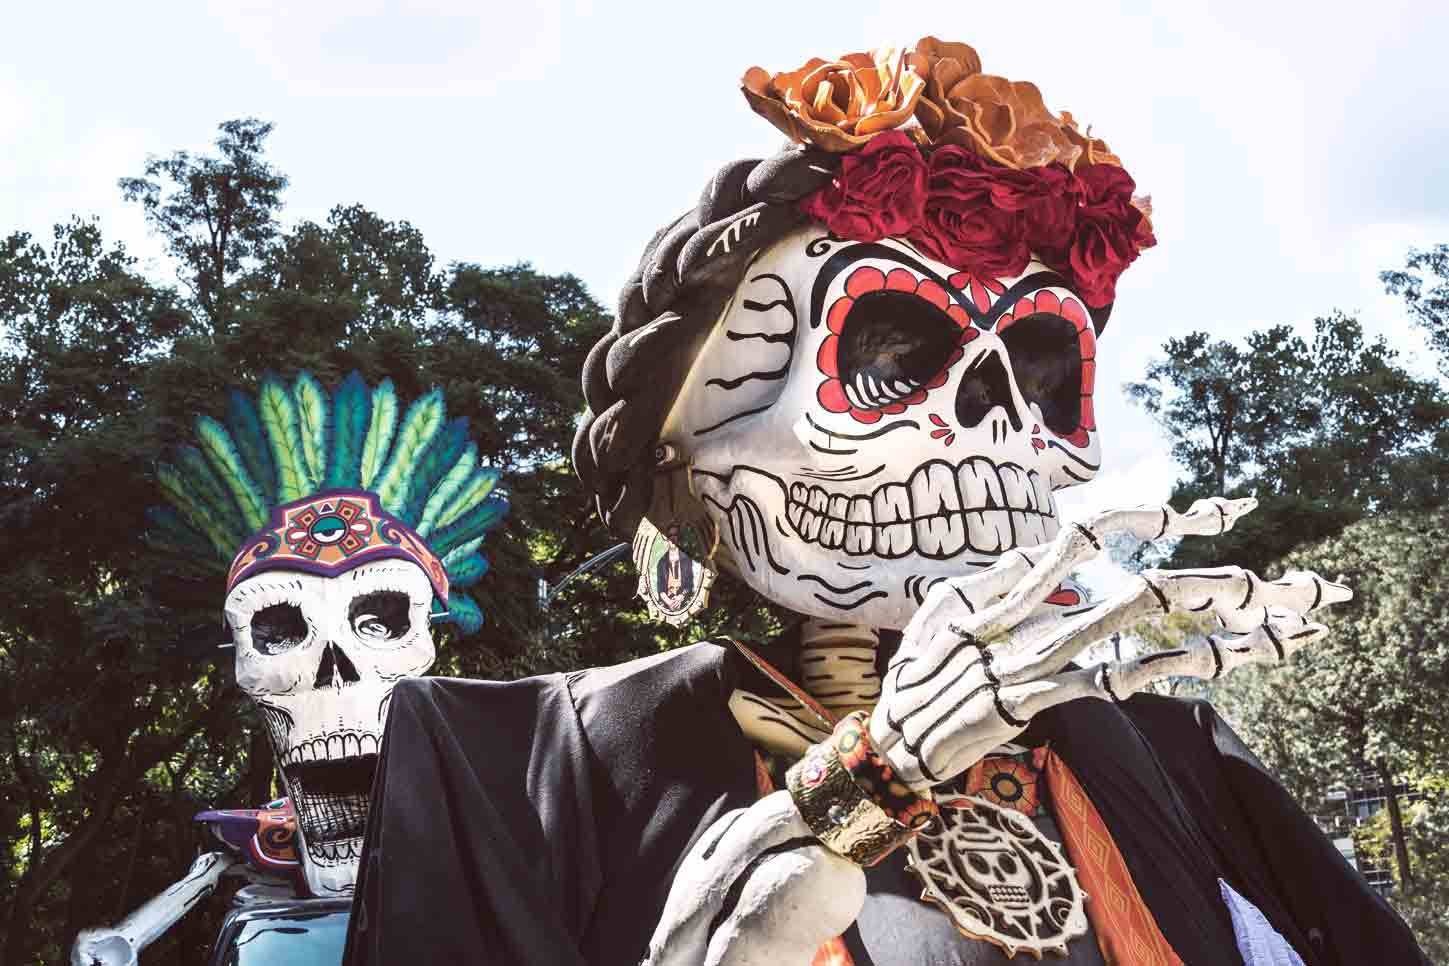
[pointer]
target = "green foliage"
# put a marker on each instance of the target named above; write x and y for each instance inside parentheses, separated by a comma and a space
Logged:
(1424, 284)
(1322, 431)
(1423, 902)
(121, 716)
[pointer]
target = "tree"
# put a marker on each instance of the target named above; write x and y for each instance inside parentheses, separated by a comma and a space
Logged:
(124, 717)
(1423, 283)
(216, 214)
(1322, 432)
(1367, 698)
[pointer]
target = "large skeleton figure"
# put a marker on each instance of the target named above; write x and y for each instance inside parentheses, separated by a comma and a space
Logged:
(940, 520)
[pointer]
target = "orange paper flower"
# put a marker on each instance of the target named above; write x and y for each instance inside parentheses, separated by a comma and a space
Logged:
(839, 105)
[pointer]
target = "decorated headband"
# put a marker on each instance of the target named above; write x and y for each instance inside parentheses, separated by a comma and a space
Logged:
(971, 168)
(302, 481)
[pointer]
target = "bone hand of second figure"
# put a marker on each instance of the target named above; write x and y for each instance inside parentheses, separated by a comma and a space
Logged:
(976, 663)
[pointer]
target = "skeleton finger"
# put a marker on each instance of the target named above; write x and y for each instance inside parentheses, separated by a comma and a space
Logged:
(1240, 599)
(959, 597)
(1206, 659)
(1080, 542)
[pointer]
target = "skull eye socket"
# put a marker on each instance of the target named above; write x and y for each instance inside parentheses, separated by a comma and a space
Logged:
(380, 618)
(278, 628)
(891, 344)
(1047, 363)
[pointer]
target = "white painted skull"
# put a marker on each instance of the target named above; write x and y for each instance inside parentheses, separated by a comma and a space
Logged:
(320, 656)
(864, 421)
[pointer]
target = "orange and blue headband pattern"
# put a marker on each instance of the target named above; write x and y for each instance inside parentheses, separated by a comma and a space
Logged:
(330, 533)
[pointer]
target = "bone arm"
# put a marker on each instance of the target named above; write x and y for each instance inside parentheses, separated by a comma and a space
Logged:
(119, 945)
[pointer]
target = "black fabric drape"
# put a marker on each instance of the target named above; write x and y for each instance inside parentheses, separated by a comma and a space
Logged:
(541, 822)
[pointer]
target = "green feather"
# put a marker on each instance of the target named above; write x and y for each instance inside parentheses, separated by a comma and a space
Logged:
(436, 460)
(469, 495)
(279, 417)
(221, 450)
(456, 555)
(351, 410)
(461, 472)
(463, 612)
(379, 432)
(311, 400)
(419, 427)
(474, 523)
(468, 571)
(251, 442)
(208, 488)
(180, 495)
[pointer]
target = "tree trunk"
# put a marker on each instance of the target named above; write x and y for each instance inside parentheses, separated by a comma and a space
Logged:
(1396, 828)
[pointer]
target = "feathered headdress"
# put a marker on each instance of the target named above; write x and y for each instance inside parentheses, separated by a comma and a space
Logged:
(298, 480)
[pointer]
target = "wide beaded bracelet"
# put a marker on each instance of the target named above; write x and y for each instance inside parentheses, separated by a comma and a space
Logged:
(851, 798)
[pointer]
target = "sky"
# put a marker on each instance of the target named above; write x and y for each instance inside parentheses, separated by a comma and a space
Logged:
(1292, 151)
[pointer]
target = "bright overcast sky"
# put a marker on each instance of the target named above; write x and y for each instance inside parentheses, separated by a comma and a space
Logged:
(1291, 151)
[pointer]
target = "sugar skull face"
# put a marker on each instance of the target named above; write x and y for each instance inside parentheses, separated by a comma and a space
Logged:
(864, 422)
(320, 656)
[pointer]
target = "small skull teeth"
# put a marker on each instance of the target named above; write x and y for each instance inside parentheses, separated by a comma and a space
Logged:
(338, 745)
(942, 510)
(336, 853)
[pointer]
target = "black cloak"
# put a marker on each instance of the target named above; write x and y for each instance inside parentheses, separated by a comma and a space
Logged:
(541, 822)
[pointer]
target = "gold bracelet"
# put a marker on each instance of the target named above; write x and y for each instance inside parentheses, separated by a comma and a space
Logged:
(850, 798)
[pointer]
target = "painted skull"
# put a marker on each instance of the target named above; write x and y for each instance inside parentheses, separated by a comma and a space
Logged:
(864, 422)
(320, 656)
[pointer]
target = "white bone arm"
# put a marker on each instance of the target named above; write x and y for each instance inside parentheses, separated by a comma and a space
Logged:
(119, 945)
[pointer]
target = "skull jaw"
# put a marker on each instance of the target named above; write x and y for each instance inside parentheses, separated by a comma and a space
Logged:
(775, 548)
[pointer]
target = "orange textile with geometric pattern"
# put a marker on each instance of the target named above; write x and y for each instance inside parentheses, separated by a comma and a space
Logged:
(1126, 931)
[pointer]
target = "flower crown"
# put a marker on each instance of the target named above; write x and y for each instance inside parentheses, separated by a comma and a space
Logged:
(971, 168)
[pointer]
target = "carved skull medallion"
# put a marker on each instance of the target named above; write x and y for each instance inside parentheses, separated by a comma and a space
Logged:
(863, 422)
(320, 656)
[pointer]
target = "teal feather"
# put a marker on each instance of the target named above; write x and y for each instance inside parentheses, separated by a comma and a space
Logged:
(419, 428)
(379, 433)
(472, 524)
(479, 485)
(208, 488)
(436, 461)
(311, 400)
(351, 411)
(468, 571)
(279, 417)
(463, 612)
(222, 451)
(194, 510)
(251, 442)
(461, 472)
(454, 556)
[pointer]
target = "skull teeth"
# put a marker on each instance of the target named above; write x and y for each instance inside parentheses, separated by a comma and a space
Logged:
(939, 512)
(345, 744)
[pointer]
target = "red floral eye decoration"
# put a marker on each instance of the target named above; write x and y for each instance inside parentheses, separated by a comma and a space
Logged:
(1049, 303)
(860, 283)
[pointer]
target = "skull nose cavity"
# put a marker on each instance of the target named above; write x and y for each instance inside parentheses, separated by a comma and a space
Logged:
(336, 669)
(984, 387)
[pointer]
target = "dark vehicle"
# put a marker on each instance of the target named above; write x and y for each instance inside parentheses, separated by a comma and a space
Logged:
(296, 932)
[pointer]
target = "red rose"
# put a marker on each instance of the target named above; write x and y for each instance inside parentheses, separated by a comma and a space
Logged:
(1107, 234)
(879, 190)
(1048, 208)
(967, 222)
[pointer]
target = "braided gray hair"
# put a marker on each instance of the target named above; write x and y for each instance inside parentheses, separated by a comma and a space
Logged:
(666, 310)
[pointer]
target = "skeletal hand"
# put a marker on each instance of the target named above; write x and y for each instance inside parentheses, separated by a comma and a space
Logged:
(975, 666)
